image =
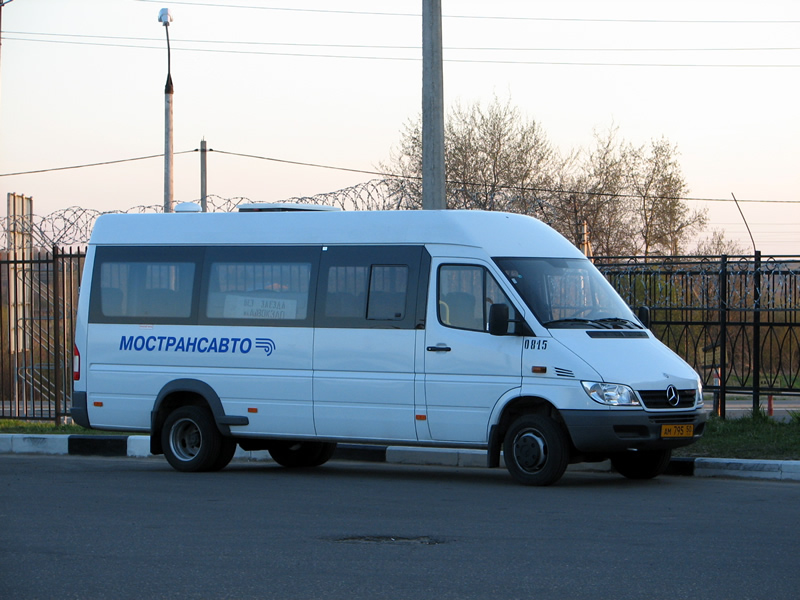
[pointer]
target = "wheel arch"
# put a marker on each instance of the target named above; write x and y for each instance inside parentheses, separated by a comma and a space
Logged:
(505, 414)
(185, 392)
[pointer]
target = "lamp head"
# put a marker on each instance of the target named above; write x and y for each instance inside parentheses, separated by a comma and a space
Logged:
(164, 17)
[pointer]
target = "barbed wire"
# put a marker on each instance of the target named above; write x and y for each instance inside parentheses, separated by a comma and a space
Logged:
(72, 226)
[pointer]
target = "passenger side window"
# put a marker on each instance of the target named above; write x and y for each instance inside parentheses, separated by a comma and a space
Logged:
(146, 290)
(346, 295)
(248, 285)
(369, 287)
(388, 289)
(466, 293)
(378, 292)
(143, 285)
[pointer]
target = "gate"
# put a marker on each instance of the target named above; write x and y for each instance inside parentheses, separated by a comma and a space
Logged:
(38, 301)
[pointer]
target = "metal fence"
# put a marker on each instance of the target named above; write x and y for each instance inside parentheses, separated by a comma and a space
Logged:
(734, 319)
(38, 299)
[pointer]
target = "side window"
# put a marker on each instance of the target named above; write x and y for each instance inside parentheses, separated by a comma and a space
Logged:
(466, 293)
(258, 285)
(151, 285)
(346, 294)
(380, 291)
(388, 292)
(369, 287)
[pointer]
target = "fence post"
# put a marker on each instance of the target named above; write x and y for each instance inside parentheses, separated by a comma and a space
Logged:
(723, 335)
(756, 332)
(57, 296)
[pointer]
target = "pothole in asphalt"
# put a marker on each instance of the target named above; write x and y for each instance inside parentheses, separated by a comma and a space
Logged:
(389, 539)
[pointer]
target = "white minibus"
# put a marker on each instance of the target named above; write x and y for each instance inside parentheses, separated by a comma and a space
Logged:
(294, 330)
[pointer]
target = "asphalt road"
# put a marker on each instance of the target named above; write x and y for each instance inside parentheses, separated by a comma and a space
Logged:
(81, 527)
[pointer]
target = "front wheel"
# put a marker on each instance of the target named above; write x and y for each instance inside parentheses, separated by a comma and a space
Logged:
(294, 454)
(192, 442)
(642, 464)
(536, 450)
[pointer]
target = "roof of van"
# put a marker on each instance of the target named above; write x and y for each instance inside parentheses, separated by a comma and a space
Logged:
(500, 234)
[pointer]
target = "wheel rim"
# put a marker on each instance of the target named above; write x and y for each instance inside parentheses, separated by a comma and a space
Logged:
(185, 439)
(530, 450)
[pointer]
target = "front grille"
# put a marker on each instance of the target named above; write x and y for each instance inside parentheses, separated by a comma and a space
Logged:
(657, 399)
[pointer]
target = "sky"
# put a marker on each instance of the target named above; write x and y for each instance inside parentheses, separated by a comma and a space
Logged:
(333, 82)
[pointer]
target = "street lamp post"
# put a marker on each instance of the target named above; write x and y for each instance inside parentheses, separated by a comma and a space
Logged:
(165, 17)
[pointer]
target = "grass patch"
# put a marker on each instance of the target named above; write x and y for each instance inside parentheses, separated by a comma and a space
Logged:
(48, 428)
(755, 437)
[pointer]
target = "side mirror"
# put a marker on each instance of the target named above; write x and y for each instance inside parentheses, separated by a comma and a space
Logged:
(498, 319)
(644, 316)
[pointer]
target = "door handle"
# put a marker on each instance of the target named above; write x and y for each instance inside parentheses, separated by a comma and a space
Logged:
(438, 348)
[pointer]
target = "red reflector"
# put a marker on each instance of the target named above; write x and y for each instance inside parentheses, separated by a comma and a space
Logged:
(97, 403)
(76, 364)
(421, 417)
(252, 410)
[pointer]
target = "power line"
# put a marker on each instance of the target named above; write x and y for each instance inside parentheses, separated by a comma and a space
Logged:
(492, 17)
(388, 175)
(417, 59)
(304, 164)
(83, 166)
(516, 188)
(395, 47)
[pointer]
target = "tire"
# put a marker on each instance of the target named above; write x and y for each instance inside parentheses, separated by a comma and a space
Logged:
(536, 450)
(191, 441)
(225, 456)
(642, 464)
(294, 455)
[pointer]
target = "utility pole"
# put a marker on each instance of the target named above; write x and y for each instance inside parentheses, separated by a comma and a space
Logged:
(203, 187)
(433, 174)
(164, 17)
(2, 4)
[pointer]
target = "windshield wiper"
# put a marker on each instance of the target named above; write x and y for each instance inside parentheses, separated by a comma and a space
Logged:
(620, 323)
(576, 321)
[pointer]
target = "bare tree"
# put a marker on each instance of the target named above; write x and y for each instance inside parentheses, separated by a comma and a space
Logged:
(717, 244)
(663, 221)
(597, 197)
(630, 199)
(495, 159)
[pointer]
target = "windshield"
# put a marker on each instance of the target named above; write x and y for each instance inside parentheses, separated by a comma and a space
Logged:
(568, 292)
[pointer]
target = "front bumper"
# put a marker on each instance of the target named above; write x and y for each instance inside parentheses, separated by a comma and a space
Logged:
(603, 431)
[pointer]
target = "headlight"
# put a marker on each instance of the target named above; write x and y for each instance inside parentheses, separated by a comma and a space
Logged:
(700, 400)
(612, 394)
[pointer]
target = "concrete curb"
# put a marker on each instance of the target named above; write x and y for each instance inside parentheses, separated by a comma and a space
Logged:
(138, 446)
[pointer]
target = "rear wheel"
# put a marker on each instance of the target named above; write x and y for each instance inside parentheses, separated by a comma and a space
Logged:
(536, 450)
(191, 441)
(295, 454)
(642, 464)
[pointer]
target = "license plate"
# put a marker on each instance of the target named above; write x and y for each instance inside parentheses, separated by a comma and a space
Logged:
(677, 431)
